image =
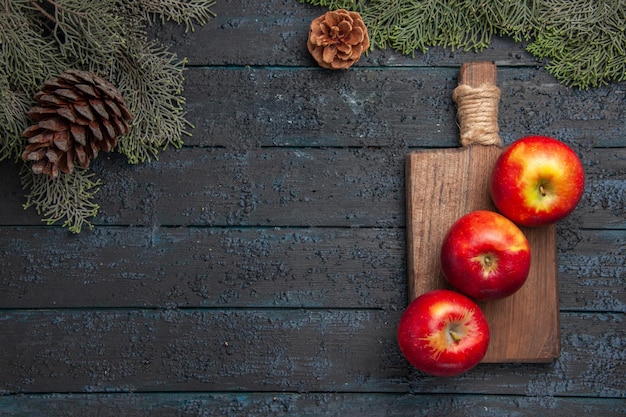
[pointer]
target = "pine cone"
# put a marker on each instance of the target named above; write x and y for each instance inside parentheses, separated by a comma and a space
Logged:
(337, 39)
(77, 115)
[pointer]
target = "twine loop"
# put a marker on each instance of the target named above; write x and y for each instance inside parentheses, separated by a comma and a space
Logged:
(477, 112)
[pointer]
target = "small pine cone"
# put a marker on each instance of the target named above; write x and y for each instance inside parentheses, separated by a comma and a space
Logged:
(77, 115)
(337, 39)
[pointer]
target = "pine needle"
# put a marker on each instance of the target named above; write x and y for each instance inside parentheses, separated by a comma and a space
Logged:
(584, 41)
(187, 12)
(29, 57)
(13, 120)
(152, 85)
(87, 34)
(40, 39)
(67, 199)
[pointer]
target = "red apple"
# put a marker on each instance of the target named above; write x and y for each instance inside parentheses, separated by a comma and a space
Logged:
(485, 256)
(537, 180)
(443, 333)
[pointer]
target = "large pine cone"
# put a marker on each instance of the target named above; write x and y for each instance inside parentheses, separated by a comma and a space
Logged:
(77, 115)
(337, 39)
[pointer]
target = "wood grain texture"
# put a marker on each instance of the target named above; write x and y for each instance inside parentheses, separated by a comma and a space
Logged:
(295, 350)
(279, 228)
(353, 187)
(281, 404)
(442, 186)
(258, 268)
(203, 267)
(390, 107)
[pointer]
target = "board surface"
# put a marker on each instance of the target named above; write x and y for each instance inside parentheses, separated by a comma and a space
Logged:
(443, 185)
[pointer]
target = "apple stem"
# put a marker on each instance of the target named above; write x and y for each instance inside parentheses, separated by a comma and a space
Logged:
(542, 191)
(455, 336)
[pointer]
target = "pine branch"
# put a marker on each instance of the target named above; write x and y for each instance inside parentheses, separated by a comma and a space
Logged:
(584, 40)
(417, 25)
(13, 120)
(67, 199)
(29, 58)
(187, 12)
(517, 19)
(40, 39)
(43, 11)
(152, 83)
(87, 34)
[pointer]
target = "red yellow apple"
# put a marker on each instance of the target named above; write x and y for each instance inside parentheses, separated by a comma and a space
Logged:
(443, 333)
(536, 181)
(485, 256)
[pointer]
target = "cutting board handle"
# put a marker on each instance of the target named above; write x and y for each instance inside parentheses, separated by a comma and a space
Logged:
(477, 98)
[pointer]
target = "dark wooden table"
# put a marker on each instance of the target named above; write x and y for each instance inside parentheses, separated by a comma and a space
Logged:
(261, 269)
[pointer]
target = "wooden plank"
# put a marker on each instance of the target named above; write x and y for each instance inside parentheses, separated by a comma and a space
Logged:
(280, 404)
(260, 187)
(610, 193)
(257, 267)
(391, 107)
(313, 107)
(295, 350)
(273, 187)
(442, 186)
(202, 267)
(584, 278)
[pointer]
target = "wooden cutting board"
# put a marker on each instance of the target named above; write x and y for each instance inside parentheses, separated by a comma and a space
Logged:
(444, 184)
